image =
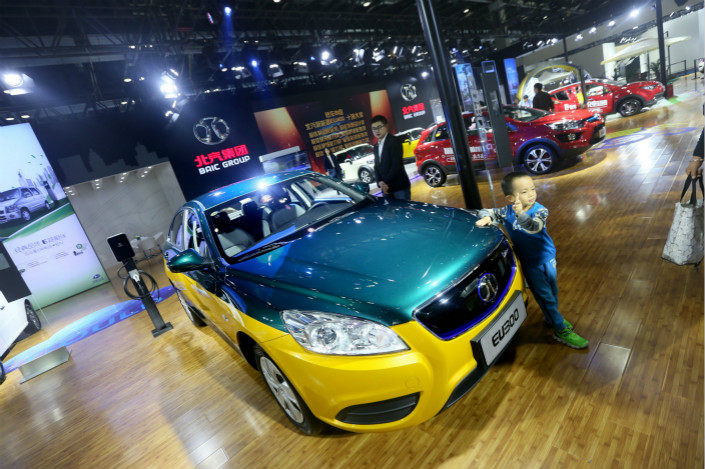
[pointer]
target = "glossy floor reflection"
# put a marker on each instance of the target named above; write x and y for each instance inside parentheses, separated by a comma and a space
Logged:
(633, 400)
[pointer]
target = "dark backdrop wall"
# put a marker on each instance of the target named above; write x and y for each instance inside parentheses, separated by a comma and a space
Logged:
(80, 149)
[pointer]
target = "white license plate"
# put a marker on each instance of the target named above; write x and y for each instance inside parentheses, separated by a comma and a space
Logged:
(603, 132)
(500, 332)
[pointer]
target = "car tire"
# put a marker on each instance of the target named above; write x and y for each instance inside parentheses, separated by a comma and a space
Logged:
(193, 315)
(3, 376)
(434, 175)
(26, 214)
(47, 205)
(629, 107)
(286, 396)
(33, 322)
(539, 159)
(366, 176)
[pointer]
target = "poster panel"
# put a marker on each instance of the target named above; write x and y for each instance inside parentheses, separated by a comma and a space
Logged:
(213, 143)
(38, 226)
(339, 122)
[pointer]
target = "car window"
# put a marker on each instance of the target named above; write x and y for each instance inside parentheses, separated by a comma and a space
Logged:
(278, 211)
(561, 95)
(195, 238)
(26, 193)
(4, 264)
(595, 90)
(34, 191)
(176, 232)
(441, 133)
(524, 114)
(9, 195)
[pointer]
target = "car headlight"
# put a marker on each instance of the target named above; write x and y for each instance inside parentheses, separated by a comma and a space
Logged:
(336, 334)
(565, 125)
(650, 87)
(11, 208)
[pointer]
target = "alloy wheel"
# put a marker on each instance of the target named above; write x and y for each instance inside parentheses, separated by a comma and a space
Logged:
(538, 160)
(433, 176)
(281, 388)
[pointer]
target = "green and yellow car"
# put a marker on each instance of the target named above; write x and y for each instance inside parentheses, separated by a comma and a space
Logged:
(360, 313)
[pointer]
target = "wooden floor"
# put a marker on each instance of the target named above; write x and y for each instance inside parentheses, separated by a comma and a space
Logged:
(634, 399)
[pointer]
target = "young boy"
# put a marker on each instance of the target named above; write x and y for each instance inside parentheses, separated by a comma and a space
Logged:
(525, 221)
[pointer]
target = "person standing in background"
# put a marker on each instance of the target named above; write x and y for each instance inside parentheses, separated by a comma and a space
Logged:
(542, 100)
(389, 162)
(331, 164)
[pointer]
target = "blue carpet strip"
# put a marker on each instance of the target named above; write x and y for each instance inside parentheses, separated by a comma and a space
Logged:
(86, 326)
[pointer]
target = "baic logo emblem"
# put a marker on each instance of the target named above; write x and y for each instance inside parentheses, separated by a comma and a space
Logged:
(408, 92)
(211, 130)
(487, 288)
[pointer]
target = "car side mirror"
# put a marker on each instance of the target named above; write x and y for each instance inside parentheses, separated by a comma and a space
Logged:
(361, 187)
(187, 261)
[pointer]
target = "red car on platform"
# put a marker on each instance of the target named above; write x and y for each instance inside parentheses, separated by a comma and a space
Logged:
(607, 96)
(537, 138)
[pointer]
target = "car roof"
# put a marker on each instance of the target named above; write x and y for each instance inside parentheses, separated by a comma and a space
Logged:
(352, 147)
(238, 189)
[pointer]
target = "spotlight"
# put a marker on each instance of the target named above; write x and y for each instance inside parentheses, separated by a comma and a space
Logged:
(227, 11)
(611, 23)
(593, 30)
(13, 80)
(424, 74)
(634, 13)
(579, 37)
(168, 87)
(254, 63)
(325, 55)
(210, 18)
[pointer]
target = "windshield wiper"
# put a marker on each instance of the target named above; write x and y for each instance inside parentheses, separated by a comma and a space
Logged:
(262, 249)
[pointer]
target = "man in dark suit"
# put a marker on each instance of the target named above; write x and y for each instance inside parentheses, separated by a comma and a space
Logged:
(389, 165)
(542, 100)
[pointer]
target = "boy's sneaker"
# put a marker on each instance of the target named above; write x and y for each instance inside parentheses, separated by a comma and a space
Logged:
(565, 321)
(568, 337)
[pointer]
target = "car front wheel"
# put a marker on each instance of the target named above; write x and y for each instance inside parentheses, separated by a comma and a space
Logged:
(192, 314)
(288, 399)
(434, 175)
(629, 107)
(366, 176)
(539, 159)
(26, 215)
(33, 322)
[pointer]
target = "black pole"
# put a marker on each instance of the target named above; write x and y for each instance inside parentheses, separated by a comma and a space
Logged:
(661, 45)
(451, 105)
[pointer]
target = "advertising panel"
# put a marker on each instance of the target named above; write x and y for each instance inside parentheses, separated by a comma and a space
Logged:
(338, 123)
(510, 69)
(38, 226)
(415, 102)
(214, 142)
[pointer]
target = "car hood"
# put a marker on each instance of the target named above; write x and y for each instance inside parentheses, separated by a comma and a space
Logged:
(577, 114)
(380, 262)
(7, 203)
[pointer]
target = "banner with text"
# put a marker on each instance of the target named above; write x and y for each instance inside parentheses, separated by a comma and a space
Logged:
(336, 123)
(38, 226)
(214, 142)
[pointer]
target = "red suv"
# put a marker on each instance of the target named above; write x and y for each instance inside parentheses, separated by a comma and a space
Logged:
(607, 96)
(537, 139)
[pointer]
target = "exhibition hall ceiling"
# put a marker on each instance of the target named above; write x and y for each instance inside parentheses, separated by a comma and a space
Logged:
(84, 56)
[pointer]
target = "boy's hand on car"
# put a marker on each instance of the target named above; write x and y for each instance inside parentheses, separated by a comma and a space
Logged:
(484, 221)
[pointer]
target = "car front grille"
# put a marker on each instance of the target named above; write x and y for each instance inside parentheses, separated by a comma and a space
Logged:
(596, 134)
(460, 307)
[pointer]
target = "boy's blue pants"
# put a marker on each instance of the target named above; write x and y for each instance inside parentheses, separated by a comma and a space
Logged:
(543, 282)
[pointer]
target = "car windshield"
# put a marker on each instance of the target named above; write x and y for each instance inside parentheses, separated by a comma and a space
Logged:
(9, 195)
(279, 213)
(524, 114)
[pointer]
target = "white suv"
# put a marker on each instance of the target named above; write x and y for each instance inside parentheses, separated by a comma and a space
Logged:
(357, 163)
(16, 315)
(21, 202)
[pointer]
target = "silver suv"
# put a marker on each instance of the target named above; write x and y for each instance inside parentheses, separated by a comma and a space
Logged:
(21, 203)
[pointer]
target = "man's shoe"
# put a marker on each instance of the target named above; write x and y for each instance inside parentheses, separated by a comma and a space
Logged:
(568, 337)
(565, 321)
